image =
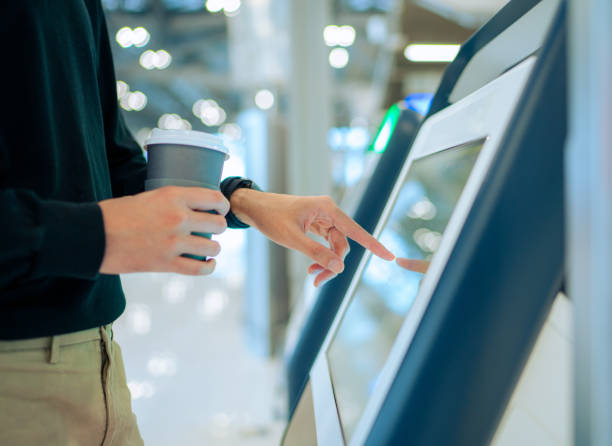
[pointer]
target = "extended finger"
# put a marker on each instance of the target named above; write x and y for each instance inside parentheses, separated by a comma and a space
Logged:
(199, 246)
(355, 232)
(206, 200)
(319, 253)
(419, 266)
(206, 222)
(191, 267)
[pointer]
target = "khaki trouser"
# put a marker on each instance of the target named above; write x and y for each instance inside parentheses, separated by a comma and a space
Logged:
(65, 390)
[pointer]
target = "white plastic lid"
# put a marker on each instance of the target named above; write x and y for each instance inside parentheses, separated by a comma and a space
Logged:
(187, 138)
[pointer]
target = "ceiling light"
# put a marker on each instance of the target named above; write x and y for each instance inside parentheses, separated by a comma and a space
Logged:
(431, 52)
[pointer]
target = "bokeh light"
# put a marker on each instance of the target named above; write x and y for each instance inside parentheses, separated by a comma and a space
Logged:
(209, 112)
(150, 59)
(122, 89)
(339, 35)
(229, 7)
(231, 131)
(139, 318)
(173, 121)
(338, 58)
(162, 364)
(264, 99)
(137, 100)
(127, 37)
(141, 389)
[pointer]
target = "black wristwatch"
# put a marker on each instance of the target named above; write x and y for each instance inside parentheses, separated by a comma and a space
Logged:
(228, 186)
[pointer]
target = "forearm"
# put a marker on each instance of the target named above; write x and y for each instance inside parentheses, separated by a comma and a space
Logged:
(286, 220)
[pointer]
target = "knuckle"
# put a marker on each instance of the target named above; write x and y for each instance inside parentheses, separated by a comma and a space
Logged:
(172, 244)
(174, 218)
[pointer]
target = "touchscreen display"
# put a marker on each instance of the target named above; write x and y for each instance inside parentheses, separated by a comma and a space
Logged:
(386, 290)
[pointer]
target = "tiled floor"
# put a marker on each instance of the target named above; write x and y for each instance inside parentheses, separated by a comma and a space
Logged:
(193, 381)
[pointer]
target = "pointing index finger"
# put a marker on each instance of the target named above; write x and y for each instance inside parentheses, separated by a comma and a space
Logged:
(352, 230)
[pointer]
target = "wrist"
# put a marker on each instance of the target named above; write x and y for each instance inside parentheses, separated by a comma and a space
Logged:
(241, 203)
(239, 214)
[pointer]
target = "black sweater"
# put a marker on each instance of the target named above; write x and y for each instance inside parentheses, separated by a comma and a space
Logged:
(63, 147)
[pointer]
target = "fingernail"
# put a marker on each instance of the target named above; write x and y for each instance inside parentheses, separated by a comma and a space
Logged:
(336, 266)
(209, 266)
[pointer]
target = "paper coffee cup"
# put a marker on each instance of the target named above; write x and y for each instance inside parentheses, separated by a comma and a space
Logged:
(185, 158)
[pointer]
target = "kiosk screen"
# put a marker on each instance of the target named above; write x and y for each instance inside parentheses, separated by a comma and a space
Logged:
(386, 291)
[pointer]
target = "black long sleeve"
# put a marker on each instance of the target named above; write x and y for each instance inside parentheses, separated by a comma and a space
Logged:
(63, 148)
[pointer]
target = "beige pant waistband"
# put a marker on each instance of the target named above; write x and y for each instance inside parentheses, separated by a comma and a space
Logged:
(55, 341)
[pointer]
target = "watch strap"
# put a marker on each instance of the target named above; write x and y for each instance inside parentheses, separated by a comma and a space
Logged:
(228, 186)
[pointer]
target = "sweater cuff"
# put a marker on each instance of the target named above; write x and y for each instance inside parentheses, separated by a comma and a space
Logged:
(74, 240)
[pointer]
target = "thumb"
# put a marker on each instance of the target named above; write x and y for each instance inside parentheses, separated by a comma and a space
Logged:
(319, 253)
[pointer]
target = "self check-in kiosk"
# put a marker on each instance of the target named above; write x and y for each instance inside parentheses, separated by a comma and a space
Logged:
(302, 349)
(432, 357)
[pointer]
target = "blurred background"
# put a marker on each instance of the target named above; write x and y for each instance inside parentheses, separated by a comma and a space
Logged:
(304, 93)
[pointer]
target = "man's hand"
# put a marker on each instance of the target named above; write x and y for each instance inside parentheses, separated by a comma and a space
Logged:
(150, 231)
(286, 219)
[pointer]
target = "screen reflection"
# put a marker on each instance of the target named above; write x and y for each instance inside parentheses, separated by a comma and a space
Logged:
(387, 290)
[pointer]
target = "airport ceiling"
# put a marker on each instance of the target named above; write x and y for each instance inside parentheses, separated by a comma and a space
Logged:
(209, 51)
